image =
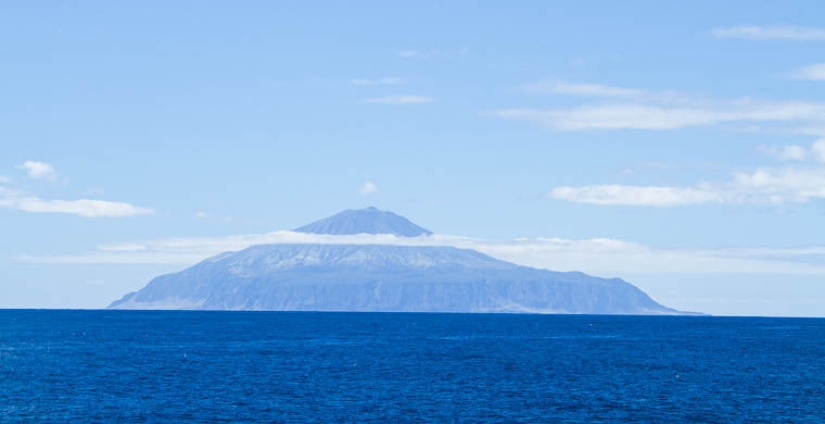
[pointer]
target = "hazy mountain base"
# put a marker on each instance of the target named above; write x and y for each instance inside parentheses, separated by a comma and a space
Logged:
(383, 278)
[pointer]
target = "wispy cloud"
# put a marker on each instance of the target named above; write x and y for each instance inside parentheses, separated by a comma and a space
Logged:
(613, 108)
(4, 179)
(400, 100)
(428, 54)
(378, 81)
(648, 116)
(123, 247)
(590, 90)
(624, 195)
(201, 215)
(773, 32)
(39, 170)
(566, 88)
(367, 189)
(82, 207)
(815, 72)
(612, 116)
(599, 256)
(408, 54)
(763, 186)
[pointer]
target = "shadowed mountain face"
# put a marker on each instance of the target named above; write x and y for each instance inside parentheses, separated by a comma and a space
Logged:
(328, 277)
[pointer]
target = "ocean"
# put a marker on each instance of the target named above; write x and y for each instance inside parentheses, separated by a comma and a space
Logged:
(124, 366)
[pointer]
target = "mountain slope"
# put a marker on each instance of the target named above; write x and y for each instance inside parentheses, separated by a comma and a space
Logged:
(311, 277)
(365, 221)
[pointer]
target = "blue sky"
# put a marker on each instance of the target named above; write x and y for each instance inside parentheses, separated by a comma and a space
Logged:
(676, 146)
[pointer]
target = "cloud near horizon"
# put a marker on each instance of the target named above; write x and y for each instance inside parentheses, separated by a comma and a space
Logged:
(599, 256)
(772, 186)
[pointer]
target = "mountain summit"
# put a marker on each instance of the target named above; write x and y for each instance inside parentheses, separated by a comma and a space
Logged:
(371, 277)
(365, 221)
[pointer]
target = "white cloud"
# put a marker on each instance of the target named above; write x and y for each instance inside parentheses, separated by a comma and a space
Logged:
(39, 170)
(814, 130)
(798, 153)
(600, 256)
(591, 90)
(771, 186)
(83, 207)
(815, 72)
(788, 153)
(4, 179)
(400, 100)
(818, 150)
(201, 215)
(774, 32)
(623, 195)
(367, 189)
(659, 117)
(378, 81)
(764, 186)
(793, 153)
(788, 185)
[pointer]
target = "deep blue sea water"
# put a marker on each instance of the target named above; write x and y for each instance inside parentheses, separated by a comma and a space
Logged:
(119, 366)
